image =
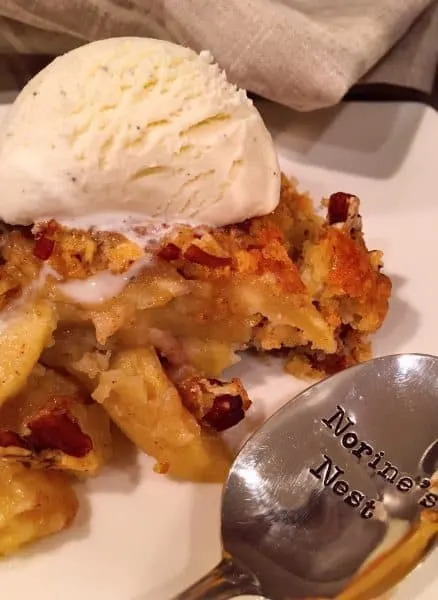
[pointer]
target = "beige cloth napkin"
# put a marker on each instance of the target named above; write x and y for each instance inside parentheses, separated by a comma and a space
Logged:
(302, 53)
(413, 61)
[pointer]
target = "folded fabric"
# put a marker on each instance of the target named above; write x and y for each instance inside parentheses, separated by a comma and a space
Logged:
(413, 61)
(302, 53)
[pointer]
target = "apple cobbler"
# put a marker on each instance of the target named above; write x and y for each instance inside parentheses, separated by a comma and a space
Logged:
(149, 360)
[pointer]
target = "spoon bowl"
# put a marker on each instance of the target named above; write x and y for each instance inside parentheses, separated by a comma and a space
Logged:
(334, 478)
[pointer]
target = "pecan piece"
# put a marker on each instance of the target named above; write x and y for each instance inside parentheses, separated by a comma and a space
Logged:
(43, 248)
(199, 256)
(169, 252)
(338, 208)
(343, 211)
(329, 364)
(57, 431)
(226, 412)
(9, 438)
(217, 405)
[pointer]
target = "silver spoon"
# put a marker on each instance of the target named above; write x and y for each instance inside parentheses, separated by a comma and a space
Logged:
(315, 492)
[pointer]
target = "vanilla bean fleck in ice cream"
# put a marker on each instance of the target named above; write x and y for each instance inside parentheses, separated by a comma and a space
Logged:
(137, 129)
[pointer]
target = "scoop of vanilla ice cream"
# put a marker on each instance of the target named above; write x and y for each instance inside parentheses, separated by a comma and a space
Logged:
(137, 128)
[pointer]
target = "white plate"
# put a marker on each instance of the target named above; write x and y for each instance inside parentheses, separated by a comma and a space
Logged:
(140, 536)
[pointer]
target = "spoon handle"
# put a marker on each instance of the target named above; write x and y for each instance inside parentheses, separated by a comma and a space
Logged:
(225, 581)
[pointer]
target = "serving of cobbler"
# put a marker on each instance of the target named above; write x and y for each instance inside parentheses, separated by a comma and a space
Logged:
(151, 360)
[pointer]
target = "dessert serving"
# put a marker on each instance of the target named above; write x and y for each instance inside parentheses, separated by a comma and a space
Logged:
(149, 238)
